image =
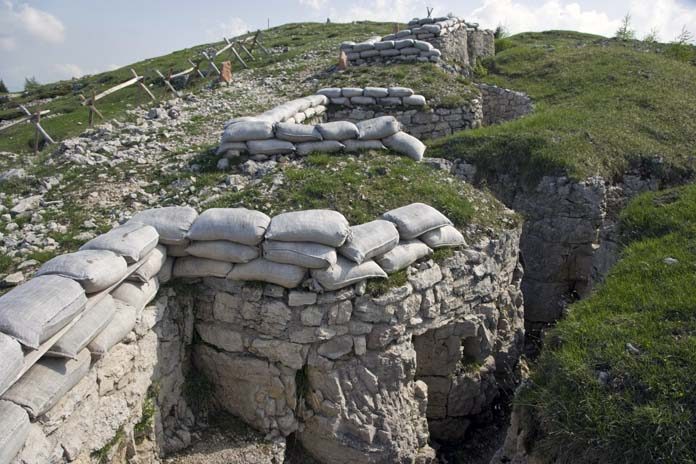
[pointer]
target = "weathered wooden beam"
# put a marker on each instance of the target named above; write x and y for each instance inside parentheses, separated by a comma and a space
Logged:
(113, 89)
(197, 67)
(143, 86)
(167, 82)
(185, 72)
(23, 119)
(35, 119)
(211, 62)
(239, 58)
(225, 48)
(247, 52)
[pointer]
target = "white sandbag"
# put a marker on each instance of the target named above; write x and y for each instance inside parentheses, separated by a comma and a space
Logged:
(304, 254)
(151, 266)
(390, 101)
(12, 361)
(231, 146)
(239, 225)
(95, 270)
(405, 144)
(165, 274)
(222, 250)
(403, 43)
(338, 130)
(132, 240)
(270, 147)
(400, 92)
(178, 251)
(376, 92)
(317, 226)
(447, 236)
(318, 100)
(384, 45)
(248, 130)
(297, 132)
(137, 294)
(172, 222)
(369, 240)
(416, 219)
(414, 100)
(349, 92)
(89, 326)
(345, 273)
(331, 92)
(262, 270)
(14, 430)
(123, 322)
(378, 128)
(353, 146)
(403, 255)
(47, 381)
(326, 146)
(193, 267)
(35, 311)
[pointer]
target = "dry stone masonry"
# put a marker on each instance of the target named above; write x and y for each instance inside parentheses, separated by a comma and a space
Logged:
(501, 105)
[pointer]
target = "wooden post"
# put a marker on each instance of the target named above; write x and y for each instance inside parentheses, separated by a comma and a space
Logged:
(211, 61)
(35, 119)
(430, 11)
(142, 85)
(239, 58)
(167, 83)
(92, 109)
(197, 68)
(253, 43)
(247, 52)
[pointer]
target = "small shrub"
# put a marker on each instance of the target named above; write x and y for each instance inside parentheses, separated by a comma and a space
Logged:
(3, 87)
(503, 44)
(625, 32)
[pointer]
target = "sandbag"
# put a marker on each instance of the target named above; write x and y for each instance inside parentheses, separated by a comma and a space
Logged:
(376, 92)
(137, 294)
(331, 92)
(369, 240)
(14, 430)
(270, 147)
(192, 267)
(153, 262)
(405, 144)
(317, 100)
(165, 274)
(35, 311)
(132, 240)
(403, 255)
(172, 222)
(318, 226)
(222, 250)
(95, 270)
(345, 273)
(178, 251)
(400, 92)
(248, 130)
(297, 132)
(123, 321)
(349, 92)
(309, 255)
(378, 128)
(447, 236)
(414, 100)
(239, 225)
(229, 122)
(12, 361)
(327, 146)
(262, 270)
(338, 130)
(89, 326)
(416, 219)
(231, 146)
(47, 381)
(353, 146)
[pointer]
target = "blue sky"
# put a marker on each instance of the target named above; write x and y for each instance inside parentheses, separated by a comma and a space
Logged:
(60, 39)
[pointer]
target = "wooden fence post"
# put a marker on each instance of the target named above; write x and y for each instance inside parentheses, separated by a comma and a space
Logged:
(142, 85)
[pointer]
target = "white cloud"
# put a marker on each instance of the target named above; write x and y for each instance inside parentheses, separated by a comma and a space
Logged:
(386, 10)
(314, 4)
(22, 22)
(7, 42)
(667, 16)
(68, 71)
(230, 28)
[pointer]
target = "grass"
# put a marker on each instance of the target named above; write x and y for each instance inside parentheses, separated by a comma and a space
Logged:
(101, 456)
(639, 331)
(601, 106)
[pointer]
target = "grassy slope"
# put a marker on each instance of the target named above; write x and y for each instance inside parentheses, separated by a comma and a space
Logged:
(600, 106)
(646, 411)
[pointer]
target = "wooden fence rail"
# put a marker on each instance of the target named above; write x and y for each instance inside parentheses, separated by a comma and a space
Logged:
(91, 102)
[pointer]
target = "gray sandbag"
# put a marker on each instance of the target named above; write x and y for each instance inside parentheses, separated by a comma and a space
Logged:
(270, 147)
(297, 132)
(35, 311)
(345, 273)
(369, 240)
(378, 128)
(352, 146)
(14, 430)
(137, 294)
(326, 146)
(132, 240)
(248, 130)
(390, 52)
(390, 101)
(384, 45)
(416, 219)
(123, 322)
(322, 226)
(376, 92)
(405, 144)
(231, 146)
(403, 255)
(340, 101)
(95, 270)
(89, 326)
(151, 266)
(317, 100)
(331, 92)
(403, 43)
(363, 101)
(262, 270)
(165, 274)
(229, 122)
(12, 361)
(222, 250)
(178, 251)
(447, 236)
(338, 130)
(349, 92)
(414, 100)
(423, 45)
(47, 381)
(239, 225)
(400, 92)
(193, 267)
(304, 254)
(172, 222)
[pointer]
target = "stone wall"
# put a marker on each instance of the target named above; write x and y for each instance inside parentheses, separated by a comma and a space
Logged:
(500, 105)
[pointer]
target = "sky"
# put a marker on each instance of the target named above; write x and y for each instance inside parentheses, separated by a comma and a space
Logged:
(61, 39)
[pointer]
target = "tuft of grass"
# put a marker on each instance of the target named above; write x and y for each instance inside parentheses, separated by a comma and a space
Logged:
(147, 418)
(101, 456)
(379, 287)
